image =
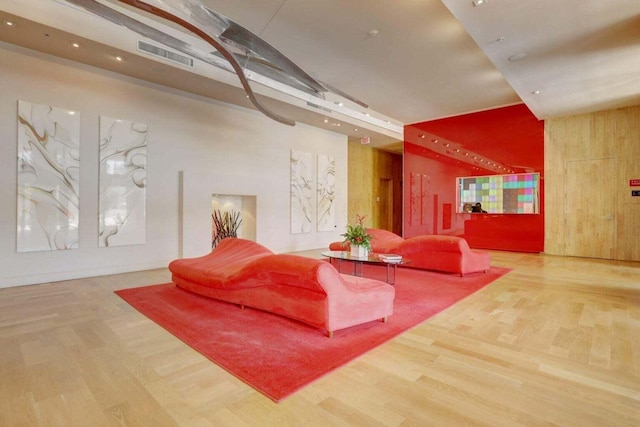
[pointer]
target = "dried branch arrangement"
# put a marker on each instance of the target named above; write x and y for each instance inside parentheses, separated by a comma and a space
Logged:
(225, 224)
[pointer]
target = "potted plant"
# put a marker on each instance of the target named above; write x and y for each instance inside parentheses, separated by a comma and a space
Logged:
(358, 237)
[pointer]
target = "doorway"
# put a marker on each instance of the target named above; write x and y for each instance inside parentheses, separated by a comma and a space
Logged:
(384, 204)
(589, 208)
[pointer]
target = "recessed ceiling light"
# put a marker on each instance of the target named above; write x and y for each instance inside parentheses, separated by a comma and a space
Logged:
(9, 23)
(477, 3)
(118, 58)
(536, 92)
(326, 120)
(517, 57)
(76, 45)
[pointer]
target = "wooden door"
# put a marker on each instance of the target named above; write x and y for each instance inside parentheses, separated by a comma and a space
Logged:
(589, 208)
(384, 204)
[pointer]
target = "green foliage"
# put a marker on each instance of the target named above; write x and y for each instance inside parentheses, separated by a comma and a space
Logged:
(357, 234)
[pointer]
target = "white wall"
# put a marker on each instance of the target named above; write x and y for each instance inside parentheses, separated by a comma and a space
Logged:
(220, 148)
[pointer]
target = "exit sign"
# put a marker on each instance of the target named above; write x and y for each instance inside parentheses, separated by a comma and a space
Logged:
(634, 182)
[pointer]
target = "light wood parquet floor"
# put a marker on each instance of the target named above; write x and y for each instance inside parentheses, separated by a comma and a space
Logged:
(556, 342)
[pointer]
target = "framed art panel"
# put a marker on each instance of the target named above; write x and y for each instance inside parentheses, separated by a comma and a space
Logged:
(326, 220)
(301, 192)
(123, 177)
(48, 178)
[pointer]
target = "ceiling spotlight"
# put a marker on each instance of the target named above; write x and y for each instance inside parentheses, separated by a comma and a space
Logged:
(9, 23)
(76, 45)
(326, 120)
(536, 92)
(477, 3)
(517, 57)
(118, 58)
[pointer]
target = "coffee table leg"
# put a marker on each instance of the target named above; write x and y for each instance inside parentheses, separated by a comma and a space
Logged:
(395, 266)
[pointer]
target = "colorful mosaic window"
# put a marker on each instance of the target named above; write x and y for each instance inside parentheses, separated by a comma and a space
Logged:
(514, 193)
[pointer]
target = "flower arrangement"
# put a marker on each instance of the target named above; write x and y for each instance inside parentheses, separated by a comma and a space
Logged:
(357, 234)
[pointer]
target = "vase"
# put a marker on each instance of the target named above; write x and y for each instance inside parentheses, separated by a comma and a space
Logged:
(359, 251)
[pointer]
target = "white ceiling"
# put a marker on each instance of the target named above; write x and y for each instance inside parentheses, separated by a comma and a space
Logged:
(409, 60)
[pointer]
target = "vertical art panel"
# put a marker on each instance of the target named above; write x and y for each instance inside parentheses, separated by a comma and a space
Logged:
(415, 198)
(425, 198)
(123, 177)
(326, 193)
(301, 192)
(48, 174)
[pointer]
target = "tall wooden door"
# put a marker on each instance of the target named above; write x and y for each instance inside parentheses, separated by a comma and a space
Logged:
(589, 208)
(384, 204)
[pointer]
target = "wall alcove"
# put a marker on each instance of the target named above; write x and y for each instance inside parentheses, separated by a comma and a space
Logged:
(242, 205)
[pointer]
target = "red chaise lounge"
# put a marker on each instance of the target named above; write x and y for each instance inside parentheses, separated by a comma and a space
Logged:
(429, 252)
(308, 290)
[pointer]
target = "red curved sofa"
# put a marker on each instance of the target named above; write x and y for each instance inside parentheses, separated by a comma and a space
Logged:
(429, 252)
(305, 289)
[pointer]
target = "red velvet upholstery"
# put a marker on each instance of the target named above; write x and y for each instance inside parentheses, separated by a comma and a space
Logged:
(429, 252)
(309, 290)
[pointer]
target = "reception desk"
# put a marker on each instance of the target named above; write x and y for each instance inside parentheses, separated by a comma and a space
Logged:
(505, 232)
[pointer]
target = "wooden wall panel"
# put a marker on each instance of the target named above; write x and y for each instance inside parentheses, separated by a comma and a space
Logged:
(367, 166)
(615, 135)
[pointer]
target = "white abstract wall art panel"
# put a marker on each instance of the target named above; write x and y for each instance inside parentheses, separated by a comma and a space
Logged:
(48, 173)
(301, 192)
(326, 193)
(123, 177)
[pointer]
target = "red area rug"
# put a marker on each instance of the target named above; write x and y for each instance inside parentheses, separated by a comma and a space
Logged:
(278, 356)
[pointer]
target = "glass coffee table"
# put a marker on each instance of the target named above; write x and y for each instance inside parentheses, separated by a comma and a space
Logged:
(358, 263)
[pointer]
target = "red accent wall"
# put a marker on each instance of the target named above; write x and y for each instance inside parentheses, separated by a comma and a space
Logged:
(435, 153)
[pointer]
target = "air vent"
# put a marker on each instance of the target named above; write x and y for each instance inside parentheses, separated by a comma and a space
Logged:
(319, 107)
(165, 54)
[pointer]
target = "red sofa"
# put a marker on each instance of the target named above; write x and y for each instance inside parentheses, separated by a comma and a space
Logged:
(429, 252)
(309, 290)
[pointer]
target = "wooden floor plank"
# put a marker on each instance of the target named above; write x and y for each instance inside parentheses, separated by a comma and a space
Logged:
(554, 342)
